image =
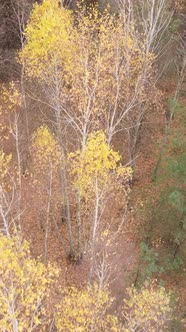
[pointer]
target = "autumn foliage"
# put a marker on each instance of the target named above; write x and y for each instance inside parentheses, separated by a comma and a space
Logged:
(25, 290)
(95, 167)
(85, 310)
(148, 309)
(24, 287)
(70, 129)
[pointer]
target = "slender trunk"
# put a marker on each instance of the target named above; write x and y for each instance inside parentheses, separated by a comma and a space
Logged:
(56, 96)
(11, 309)
(94, 230)
(23, 95)
(21, 15)
(161, 152)
(59, 235)
(79, 226)
(48, 217)
(5, 223)
(63, 180)
(15, 325)
(19, 172)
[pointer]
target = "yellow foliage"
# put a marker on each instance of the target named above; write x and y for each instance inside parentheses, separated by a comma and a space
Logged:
(48, 46)
(4, 164)
(108, 64)
(147, 309)
(108, 50)
(93, 167)
(85, 311)
(94, 64)
(10, 100)
(4, 169)
(11, 96)
(45, 150)
(24, 283)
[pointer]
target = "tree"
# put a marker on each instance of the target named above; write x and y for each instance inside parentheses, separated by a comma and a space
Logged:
(12, 101)
(5, 202)
(85, 310)
(24, 284)
(46, 157)
(45, 52)
(153, 19)
(21, 10)
(47, 57)
(10, 180)
(96, 176)
(147, 309)
(107, 83)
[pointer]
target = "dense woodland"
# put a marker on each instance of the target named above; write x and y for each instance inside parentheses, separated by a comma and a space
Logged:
(93, 166)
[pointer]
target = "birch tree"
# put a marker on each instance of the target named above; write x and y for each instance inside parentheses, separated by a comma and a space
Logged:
(96, 173)
(147, 309)
(85, 310)
(24, 283)
(6, 199)
(12, 102)
(47, 55)
(45, 156)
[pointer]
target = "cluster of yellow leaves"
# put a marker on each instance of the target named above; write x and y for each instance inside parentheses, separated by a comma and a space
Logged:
(4, 169)
(85, 311)
(4, 164)
(48, 45)
(2, 123)
(93, 167)
(11, 96)
(148, 309)
(24, 283)
(45, 150)
(10, 99)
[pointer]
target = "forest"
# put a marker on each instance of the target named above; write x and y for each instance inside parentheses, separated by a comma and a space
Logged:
(92, 166)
